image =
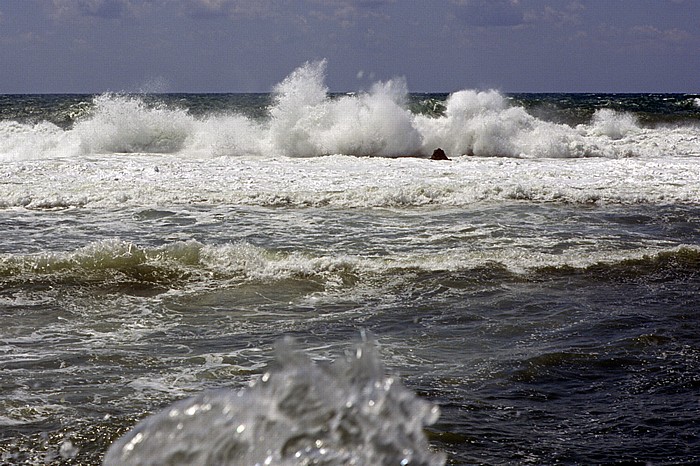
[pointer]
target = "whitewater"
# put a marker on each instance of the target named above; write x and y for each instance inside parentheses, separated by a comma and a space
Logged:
(288, 278)
(313, 149)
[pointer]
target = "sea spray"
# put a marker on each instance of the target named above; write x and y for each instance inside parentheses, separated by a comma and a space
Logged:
(307, 122)
(125, 124)
(613, 124)
(302, 118)
(299, 412)
(29, 141)
(484, 124)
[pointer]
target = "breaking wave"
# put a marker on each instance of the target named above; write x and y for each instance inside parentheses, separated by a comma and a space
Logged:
(299, 412)
(125, 124)
(304, 120)
(115, 262)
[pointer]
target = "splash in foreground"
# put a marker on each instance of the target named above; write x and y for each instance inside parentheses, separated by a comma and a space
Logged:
(300, 412)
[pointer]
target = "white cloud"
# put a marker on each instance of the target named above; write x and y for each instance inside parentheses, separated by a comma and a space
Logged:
(107, 9)
(673, 35)
(566, 15)
(486, 13)
(232, 8)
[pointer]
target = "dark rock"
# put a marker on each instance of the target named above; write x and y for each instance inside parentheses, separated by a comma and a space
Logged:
(439, 154)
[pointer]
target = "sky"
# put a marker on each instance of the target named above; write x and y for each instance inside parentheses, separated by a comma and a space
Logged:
(93, 46)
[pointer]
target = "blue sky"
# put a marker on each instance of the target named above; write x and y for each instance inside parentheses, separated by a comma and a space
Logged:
(437, 45)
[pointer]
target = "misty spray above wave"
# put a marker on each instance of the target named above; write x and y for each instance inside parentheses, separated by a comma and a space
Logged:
(304, 120)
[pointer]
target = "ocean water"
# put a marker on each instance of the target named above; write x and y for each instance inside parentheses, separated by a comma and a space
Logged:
(286, 278)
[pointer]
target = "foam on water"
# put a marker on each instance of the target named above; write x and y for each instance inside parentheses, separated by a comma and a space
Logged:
(300, 412)
(136, 180)
(177, 261)
(483, 124)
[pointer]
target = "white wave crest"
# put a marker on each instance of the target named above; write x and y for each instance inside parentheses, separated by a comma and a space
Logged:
(20, 141)
(484, 124)
(126, 124)
(114, 260)
(304, 120)
(615, 125)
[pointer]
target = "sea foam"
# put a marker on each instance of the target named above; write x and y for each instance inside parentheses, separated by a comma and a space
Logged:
(137, 180)
(26, 141)
(299, 412)
(306, 121)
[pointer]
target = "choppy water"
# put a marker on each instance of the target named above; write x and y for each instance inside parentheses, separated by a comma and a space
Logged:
(538, 291)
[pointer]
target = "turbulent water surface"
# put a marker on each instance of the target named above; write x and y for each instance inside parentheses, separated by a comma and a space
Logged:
(534, 299)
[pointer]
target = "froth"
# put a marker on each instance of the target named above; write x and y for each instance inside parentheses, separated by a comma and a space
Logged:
(97, 260)
(305, 121)
(115, 260)
(107, 182)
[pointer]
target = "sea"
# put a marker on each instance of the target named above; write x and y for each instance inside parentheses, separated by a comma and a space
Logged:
(288, 278)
